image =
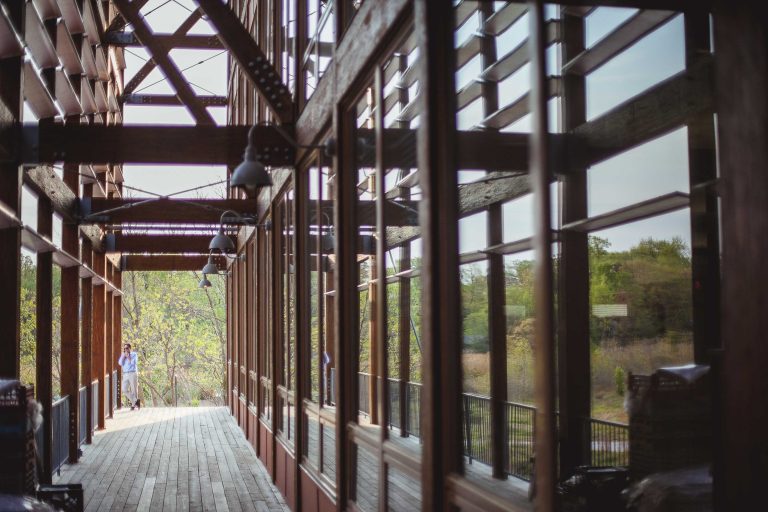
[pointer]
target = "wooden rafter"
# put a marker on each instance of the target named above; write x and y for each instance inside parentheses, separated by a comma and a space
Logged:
(157, 244)
(161, 57)
(195, 211)
(170, 100)
(162, 263)
(148, 66)
(252, 60)
(194, 42)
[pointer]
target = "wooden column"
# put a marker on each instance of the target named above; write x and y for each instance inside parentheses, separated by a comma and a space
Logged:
(545, 473)
(573, 308)
(109, 348)
(86, 334)
(741, 42)
(438, 218)
(117, 332)
(11, 106)
(44, 334)
(70, 330)
(98, 348)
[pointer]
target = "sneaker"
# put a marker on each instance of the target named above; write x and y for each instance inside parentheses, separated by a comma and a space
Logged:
(132, 407)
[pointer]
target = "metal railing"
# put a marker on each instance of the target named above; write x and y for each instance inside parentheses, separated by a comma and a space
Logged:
(609, 442)
(106, 395)
(60, 424)
(114, 390)
(82, 412)
(94, 405)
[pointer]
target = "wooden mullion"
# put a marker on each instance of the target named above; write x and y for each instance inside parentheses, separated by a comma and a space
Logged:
(117, 332)
(441, 391)
(573, 306)
(160, 55)
(705, 225)
(11, 108)
(44, 336)
(544, 359)
(496, 279)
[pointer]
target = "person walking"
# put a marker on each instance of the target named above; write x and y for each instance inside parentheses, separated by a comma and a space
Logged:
(128, 361)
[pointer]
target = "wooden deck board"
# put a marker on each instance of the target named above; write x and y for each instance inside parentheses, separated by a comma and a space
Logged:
(169, 459)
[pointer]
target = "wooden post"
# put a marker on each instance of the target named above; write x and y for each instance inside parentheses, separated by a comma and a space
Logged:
(98, 336)
(117, 332)
(545, 473)
(44, 335)
(86, 335)
(741, 67)
(11, 107)
(438, 217)
(573, 307)
(110, 359)
(70, 330)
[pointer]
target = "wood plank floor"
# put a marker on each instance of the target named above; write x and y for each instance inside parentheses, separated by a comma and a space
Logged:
(163, 459)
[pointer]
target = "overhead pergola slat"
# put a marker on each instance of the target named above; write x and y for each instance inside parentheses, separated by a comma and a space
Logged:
(182, 211)
(157, 244)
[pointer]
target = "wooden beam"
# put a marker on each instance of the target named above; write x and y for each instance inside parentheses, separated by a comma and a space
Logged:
(171, 41)
(252, 60)
(659, 110)
(170, 100)
(168, 263)
(201, 145)
(160, 54)
(148, 66)
(44, 181)
(158, 244)
(117, 316)
(202, 211)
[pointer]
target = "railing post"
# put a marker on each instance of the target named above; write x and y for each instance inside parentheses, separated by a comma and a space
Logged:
(468, 426)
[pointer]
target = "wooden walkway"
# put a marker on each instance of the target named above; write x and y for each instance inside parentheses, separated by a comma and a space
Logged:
(161, 459)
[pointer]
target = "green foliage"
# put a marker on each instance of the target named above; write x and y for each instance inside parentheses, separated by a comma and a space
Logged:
(179, 332)
(620, 380)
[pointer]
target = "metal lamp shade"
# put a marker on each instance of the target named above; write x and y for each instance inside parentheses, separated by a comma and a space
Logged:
(210, 267)
(250, 174)
(221, 242)
(204, 282)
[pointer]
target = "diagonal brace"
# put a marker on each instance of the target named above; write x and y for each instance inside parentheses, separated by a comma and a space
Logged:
(161, 57)
(252, 60)
(148, 66)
